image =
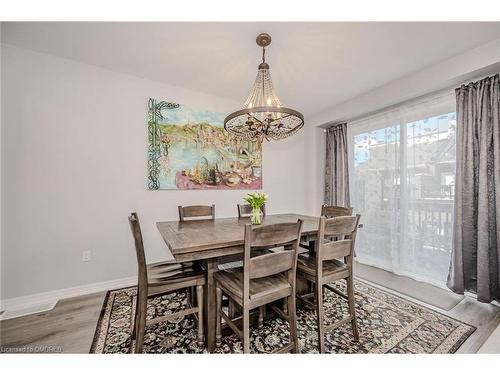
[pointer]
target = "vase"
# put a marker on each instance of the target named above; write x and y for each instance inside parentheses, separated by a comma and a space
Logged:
(256, 217)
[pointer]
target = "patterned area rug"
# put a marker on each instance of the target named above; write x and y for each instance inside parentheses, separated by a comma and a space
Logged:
(387, 324)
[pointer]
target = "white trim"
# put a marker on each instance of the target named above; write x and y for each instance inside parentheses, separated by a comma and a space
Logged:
(35, 309)
(35, 303)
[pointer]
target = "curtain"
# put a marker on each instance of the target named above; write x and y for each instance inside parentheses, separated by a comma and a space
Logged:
(476, 253)
(337, 171)
(402, 170)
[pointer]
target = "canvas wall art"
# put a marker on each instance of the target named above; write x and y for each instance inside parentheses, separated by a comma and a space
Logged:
(189, 149)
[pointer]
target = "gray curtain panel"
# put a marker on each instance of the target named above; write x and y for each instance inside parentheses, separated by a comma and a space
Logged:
(337, 171)
(476, 254)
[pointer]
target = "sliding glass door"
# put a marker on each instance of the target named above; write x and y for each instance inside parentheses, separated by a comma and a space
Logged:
(402, 173)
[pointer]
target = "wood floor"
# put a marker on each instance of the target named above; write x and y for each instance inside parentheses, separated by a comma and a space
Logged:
(70, 326)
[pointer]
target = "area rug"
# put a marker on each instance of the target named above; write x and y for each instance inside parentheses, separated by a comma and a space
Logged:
(387, 324)
(441, 298)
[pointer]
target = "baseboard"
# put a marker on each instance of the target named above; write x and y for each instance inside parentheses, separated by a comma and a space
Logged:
(35, 303)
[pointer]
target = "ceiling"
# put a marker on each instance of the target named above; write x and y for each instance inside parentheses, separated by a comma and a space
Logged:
(314, 65)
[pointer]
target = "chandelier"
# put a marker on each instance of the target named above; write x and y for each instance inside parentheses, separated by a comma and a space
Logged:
(262, 115)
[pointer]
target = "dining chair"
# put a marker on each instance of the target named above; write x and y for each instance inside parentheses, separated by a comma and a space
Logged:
(329, 211)
(245, 210)
(336, 238)
(187, 213)
(192, 213)
(262, 279)
(161, 278)
(334, 211)
(233, 261)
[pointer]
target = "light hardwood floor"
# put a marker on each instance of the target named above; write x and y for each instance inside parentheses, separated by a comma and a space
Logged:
(70, 326)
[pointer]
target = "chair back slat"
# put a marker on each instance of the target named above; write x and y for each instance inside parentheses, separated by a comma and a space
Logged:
(334, 211)
(336, 238)
(281, 262)
(139, 247)
(196, 212)
(271, 264)
(341, 226)
(336, 249)
(245, 210)
(274, 235)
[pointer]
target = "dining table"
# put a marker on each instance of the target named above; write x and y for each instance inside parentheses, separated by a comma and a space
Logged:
(210, 240)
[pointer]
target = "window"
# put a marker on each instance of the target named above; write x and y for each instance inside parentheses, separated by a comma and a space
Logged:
(402, 174)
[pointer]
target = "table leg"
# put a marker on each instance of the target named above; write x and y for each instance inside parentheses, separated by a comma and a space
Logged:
(303, 286)
(210, 304)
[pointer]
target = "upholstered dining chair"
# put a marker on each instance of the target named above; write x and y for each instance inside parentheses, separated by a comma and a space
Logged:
(262, 280)
(162, 278)
(336, 239)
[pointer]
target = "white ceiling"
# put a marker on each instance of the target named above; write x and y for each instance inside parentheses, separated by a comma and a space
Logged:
(314, 65)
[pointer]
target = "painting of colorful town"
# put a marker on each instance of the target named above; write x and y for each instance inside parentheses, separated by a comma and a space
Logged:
(190, 149)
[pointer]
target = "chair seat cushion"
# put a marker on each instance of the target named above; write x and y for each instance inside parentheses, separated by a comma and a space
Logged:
(306, 263)
(232, 281)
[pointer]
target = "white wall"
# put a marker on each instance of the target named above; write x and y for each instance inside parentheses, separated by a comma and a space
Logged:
(74, 166)
(449, 73)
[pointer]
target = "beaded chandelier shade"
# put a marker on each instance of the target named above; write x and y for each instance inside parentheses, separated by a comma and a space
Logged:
(262, 115)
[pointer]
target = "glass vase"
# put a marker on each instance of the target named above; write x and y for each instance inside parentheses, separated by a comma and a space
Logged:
(256, 217)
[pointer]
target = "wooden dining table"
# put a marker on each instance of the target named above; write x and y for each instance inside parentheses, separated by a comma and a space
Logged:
(209, 240)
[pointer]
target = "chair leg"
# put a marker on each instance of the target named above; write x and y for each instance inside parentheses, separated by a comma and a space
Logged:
(231, 309)
(319, 312)
(352, 307)
(189, 296)
(194, 296)
(142, 306)
(199, 297)
(218, 317)
(285, 306)
(292, 320)
(262, 313)
(246, 330)
(134, 320)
